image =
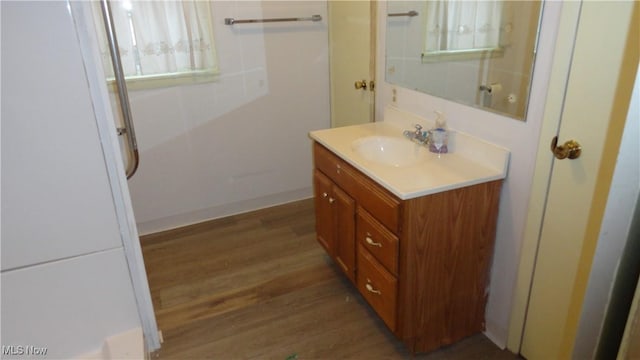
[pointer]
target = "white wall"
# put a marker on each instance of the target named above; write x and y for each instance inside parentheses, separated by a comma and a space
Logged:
(65, 280)
(240, 143)
(521, 138)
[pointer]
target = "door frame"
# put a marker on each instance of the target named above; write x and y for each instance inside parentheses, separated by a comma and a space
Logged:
(373, 51)
(568, 31)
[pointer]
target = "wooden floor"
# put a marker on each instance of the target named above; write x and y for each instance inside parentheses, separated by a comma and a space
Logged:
(258, 286)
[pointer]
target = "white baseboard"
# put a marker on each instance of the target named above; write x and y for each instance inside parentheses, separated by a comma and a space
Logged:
(194, 217)
(496, 334)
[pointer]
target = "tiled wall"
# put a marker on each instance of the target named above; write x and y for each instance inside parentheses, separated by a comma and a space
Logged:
(239, 143)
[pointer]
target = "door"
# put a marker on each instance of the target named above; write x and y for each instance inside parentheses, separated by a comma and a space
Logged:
(594, 109)
(351, 61)
(344, 227)
(630, 346)
(85, 21)
(324, 214)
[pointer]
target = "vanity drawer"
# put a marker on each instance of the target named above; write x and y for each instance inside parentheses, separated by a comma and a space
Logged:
(379, 241)
(383, 205)
(378, 287)
(328, 163)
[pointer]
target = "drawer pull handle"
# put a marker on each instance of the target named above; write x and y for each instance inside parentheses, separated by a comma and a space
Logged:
(338, 168)
(371, 289)
(371, 242)
(331, 200)
(324, 194)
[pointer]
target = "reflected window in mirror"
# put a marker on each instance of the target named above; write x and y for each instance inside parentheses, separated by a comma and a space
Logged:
(465, 29)
(477, 53)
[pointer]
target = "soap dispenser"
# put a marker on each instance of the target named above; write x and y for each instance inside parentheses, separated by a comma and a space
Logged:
(439, 135)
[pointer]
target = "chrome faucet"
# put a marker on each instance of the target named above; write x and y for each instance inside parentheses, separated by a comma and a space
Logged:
(418, 136)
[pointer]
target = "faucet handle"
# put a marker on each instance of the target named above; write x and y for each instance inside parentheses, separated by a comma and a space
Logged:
(418, 127)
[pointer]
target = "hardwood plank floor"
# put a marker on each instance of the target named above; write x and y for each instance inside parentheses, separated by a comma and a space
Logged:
(259, 286)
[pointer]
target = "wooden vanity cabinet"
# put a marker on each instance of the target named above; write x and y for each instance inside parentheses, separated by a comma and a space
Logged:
(423, 263)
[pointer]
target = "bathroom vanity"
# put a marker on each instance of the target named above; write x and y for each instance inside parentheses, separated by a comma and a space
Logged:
(416, 239)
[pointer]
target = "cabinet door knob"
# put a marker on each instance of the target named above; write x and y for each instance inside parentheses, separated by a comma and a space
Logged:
(324, 194)
(370, 241)
(331, 200)
(371, 289)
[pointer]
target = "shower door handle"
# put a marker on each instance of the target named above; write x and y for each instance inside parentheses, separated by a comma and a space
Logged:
(133, 158)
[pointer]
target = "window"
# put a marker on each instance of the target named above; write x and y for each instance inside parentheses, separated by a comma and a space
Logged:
(161, 42)
(465, 29)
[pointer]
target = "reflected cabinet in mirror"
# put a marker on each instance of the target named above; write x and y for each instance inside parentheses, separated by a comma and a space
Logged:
(477, 53)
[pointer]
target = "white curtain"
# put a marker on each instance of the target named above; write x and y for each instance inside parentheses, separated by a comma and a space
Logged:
(463, 25)
(162, 37)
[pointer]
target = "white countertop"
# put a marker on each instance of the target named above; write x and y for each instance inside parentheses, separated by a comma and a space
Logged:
(470, 161)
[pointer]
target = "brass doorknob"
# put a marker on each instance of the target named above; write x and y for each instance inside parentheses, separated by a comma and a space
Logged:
(570, 149)
(361, 84)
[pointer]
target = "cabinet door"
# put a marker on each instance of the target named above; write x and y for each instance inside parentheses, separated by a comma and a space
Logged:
(344, 216)
(324, 214)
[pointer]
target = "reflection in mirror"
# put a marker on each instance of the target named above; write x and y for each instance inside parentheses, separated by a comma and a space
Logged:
(477, 53)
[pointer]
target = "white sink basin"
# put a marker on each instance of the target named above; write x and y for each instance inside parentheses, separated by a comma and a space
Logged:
(391, 151)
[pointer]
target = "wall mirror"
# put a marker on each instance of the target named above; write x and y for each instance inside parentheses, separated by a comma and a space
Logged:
(477, 53)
